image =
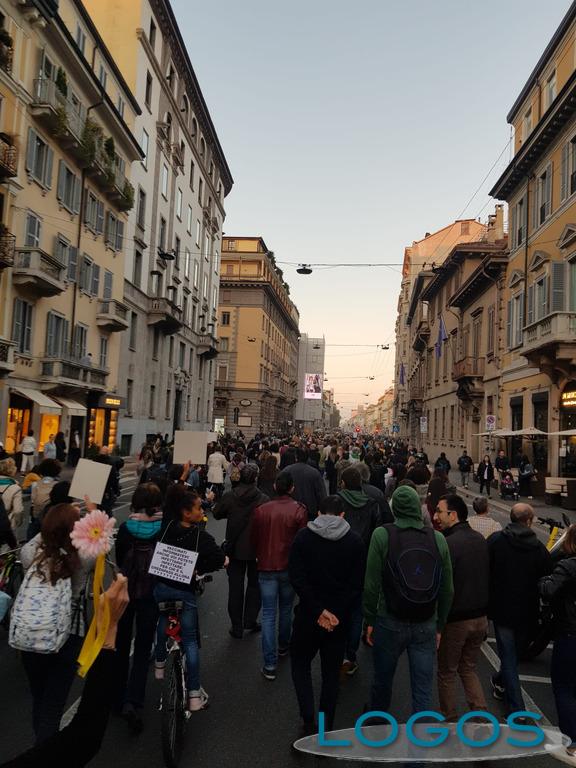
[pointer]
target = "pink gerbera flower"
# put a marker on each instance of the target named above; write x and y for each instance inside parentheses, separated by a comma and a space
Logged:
(92, 534)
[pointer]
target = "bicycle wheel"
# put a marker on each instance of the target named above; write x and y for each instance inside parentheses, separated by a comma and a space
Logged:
(172, 710)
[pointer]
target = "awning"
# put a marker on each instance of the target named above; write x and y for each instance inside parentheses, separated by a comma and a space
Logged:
(45, 403)
(564, 433)
(529, 432)
(496, 433)
(73, 407)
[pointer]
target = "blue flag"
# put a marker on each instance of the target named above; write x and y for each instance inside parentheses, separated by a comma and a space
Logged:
(442, 337)
(402, 374)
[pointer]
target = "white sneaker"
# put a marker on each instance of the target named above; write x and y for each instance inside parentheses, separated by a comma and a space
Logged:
(197, 700)
(159, 669)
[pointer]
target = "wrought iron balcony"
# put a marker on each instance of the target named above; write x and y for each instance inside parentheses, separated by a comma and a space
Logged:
(8, 160)
(6, 357)
(6, 57)
(38, 272)
(7, 246)
(164, 315)
(112, 316)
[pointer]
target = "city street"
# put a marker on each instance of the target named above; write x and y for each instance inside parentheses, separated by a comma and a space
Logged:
(250, 721)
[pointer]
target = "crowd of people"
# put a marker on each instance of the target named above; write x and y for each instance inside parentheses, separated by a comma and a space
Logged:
(329, 542)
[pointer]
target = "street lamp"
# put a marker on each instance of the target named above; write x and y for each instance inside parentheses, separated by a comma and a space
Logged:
(304, 269)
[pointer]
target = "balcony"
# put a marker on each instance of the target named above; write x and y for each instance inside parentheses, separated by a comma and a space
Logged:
(102, 166)
(7, 246)
(70, 372)
(51, 107)
(6, 357)
(112, 316)
(38, 273)
(6, 53)
(550, 339)
(165, 316)
(8, 160)
(415, 396)
(206, 346)
(468, 373)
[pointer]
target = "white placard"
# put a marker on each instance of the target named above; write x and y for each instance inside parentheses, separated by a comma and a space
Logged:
(173, 563)
(423, 425)
(490, 423)
(90, 478)
(190, 446)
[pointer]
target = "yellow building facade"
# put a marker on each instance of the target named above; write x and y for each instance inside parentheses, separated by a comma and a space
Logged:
(538, 369)
(66, 127)
(257, 368)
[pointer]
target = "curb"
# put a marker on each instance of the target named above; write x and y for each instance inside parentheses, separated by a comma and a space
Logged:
(497, 504)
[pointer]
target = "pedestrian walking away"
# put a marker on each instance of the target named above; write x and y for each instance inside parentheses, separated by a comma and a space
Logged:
(481, 521)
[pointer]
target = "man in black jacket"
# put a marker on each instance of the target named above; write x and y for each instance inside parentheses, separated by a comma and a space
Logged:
(326, 569)
(309, 487)
(467, 624)
(517, 561)
(237, 507)
(374, 493)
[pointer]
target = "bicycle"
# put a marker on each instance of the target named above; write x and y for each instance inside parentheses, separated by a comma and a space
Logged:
(11, 576)
(174, 697)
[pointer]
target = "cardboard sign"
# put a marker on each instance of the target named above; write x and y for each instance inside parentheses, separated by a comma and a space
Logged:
(90, 478)
(190, 446)
(173, 563)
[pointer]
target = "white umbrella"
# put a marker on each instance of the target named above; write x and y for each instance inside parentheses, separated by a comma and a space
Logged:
(565, 433)
(529, 432)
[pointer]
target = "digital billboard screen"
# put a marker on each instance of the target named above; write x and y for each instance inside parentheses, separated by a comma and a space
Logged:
(313, 386)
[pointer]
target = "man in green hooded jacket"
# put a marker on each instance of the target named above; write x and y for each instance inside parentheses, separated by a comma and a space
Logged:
(390, 635)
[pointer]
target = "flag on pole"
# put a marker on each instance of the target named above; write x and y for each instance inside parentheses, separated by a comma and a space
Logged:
(442, 337)
(402, 375)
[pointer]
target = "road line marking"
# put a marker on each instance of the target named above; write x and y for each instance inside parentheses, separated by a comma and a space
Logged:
(531, 705)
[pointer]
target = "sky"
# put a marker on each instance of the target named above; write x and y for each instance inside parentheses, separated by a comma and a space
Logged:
(351, 129)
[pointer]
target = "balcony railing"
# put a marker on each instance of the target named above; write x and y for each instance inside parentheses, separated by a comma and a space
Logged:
(468, 368)
(7, 247)
(552, 330)
(112, 315)
(6, 57)
(6, 356)
(68, 370)
(8, 160)
(165, 315)
(38, 271)
(416, 393)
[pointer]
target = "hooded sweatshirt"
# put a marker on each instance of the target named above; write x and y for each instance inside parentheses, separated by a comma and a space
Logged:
(237, 507)
(408, 513)
(361, 512)
(326, 569)
(518, 559)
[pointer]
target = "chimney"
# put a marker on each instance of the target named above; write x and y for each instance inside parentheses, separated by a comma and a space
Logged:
(499, 223)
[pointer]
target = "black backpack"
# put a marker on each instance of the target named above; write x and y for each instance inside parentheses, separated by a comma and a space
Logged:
(412, 573)
(135, 567)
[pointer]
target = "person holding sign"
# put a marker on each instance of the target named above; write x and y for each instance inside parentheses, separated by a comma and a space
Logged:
(184, 550)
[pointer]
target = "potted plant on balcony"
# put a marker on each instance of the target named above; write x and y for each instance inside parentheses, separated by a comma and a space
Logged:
(127, 201)
(110, 148)
(62, 82)
(91, 138)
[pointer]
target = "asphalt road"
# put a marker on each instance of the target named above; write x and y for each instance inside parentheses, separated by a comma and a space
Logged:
(251, 722)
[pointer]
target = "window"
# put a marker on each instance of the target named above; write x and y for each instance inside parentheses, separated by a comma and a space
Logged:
(141, 208)
(56, 335)
(515, 321)
(33, 230)
(179, 204)
(491, 331)
(155, 343)
(187, 263)
(189, 220)
(22, 325)
(527, 124)
(108, 285)
(137, 271)
(216, 260)
(102, 76)
(170, 351)
(193, 321)
(152, 401)
(171, 77)
(198, 233)
(144, 144)
(103, 353)
(72, 275)
(148, 91)
(543, 196)
(550, 90)
(152, 34)
(89, 280)
(94, 214)
(80, 38)
(517, 223)
(200, 190)
(214, 298)
(451, 433)
(162, 234)
(129, 396)
(192, 175)
(120, 105)
(114, 232)
(182, 355)
(185, 310)
(202, 147)
(205, 289)
(68, 191)
(165, 181)
(177, 247)
(188, 401)
(195, 274)
(197, 409)
(224, 344)
(79, 350)
(39, 159)
(443, 434)
(207, 246)
(168, 403)
(133, 330)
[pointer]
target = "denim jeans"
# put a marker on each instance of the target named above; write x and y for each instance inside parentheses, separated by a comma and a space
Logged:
(563, 673)
(189, 628)
(354, 630)
(507, 641)
(391, 638)
(465, 476)
(277, 598)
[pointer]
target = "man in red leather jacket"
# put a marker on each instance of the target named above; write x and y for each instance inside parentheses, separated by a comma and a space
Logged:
(274, 526)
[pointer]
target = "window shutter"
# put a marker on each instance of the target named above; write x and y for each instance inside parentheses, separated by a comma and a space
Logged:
(31, 150)
(77, 195)
(509, 325)
(48, 169)
(119, 235)
(50, 334)
(28, 309)
(530, 304)
(536, 205)
(99, 217)
(520, 326)
(108, 235)
(72, 263)
(65, 338)
(17, 321)
(60, 190)
(548, 190)
(558, 286)
(108, 281)
(564, 186)
(88, 210)
(545, 294)
(95, 279)
(512, 227)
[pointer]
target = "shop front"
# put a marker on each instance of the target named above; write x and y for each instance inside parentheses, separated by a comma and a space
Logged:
(568, 421)
(30, 409)
(103, 420)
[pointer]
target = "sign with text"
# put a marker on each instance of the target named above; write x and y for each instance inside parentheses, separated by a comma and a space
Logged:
(313, 386)
(423, 425)
(490, 423)
(90, 478)
(173, 563)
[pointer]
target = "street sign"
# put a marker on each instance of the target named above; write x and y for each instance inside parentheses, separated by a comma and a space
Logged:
(490, 423)
(357, 429)
(423, 425)
(396, 428)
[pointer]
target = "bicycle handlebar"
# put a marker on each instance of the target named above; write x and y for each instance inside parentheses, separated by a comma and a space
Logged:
(550, 522)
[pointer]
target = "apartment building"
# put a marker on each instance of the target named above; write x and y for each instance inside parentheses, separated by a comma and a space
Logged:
(310, 409)
(257, 366)
(539, 185)
(66, 147)
(175, 229)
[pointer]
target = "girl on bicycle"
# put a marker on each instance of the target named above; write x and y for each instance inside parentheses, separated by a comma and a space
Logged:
(186, 531)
